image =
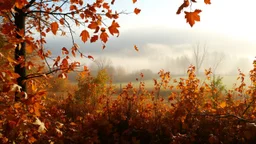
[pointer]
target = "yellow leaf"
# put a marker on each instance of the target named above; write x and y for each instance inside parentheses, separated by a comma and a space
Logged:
(223, 104)
(33, 87)
(11, 60)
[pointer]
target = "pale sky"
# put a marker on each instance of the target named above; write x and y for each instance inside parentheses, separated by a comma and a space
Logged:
(226, 26)
(234, 17)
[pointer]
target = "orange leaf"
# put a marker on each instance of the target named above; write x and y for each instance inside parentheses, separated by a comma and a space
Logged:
(104, 37)
(17, 105)
(192, 17)
(62, 75)
(29, 48)
(73, 7)
(33, 87)
(185, 4)
(20, 4)
(11, 60)
(36, 109)
(93, 25)
(113, 28)
(54, 27)
(137, 11)
(31, 139)
(134, 1)
(64, 63)
(85, 35)
(56, 61)
(43, 34)
(29, 65)
(94, 38)
(136, 48)
(82, 15)
(106, 6)
(223, 104)
(62, 21)
(73, 53)
(72, 123)
(207, 1)
(64, 51)
(86, 68)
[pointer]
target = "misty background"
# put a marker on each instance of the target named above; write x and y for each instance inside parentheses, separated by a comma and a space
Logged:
(166, 41)
(163, 48)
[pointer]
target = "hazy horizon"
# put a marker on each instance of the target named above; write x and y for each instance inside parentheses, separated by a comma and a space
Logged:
(160, 35)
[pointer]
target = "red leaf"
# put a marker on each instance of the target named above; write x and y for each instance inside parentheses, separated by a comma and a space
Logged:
(73, 7)
(112, 2)
(137, 11)
(54, 27)
(84, 35)
(90, 57)
(94, 38)
(134, 1)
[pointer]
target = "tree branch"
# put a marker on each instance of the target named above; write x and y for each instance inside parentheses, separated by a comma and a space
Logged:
(29, 4)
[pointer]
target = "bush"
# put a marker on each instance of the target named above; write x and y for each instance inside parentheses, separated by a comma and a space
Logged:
(137, 115)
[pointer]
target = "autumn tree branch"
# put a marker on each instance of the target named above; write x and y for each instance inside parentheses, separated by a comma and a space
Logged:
(29, 4)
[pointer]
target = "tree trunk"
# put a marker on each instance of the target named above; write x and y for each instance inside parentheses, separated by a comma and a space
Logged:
(20, 51)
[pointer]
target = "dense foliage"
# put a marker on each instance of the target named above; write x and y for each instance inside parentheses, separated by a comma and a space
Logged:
(36, 107)
(195, 112)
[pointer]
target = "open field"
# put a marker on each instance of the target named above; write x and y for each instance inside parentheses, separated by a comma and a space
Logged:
(228, 81)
